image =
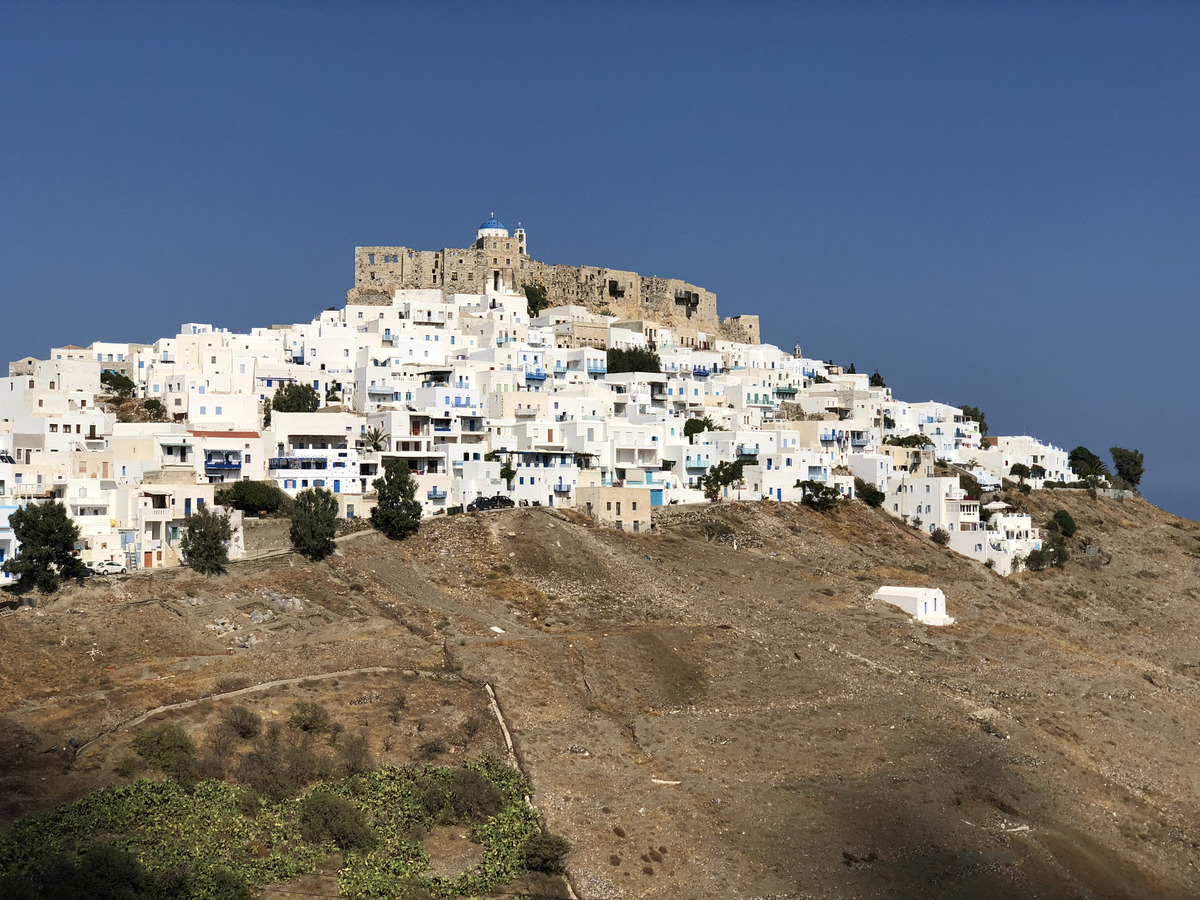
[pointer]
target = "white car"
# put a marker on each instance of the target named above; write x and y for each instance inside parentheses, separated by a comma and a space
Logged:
(109, 567)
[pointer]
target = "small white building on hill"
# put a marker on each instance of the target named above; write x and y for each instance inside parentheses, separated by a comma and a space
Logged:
(926, 605)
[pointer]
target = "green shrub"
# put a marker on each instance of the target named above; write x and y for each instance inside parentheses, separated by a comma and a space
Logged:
(244, 722)
(254, 497)
(1065, 524)
(326, 817)
(1036, 560)
(940, 536)
(164, 745)
(868, 493)
(309, 717)
(545, 853)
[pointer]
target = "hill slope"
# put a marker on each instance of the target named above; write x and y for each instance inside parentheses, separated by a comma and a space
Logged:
(717, 709)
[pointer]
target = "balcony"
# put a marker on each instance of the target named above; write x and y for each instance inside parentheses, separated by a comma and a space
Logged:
(297, 462)
(159, 514)
(535, 374)
(827, 436)
(786, 390)
(697, 462)
(441, 429)
(597, 368)
(562, 487)
(747, 450)
(701, 371)
(436, 494)
(858, 442)
(223, 463)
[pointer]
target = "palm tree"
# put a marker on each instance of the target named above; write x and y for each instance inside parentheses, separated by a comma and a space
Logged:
(376, 439)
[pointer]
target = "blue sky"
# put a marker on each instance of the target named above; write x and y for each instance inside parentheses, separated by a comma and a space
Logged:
(993, 204)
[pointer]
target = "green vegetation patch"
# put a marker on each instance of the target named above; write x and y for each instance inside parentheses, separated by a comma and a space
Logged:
(219, 839)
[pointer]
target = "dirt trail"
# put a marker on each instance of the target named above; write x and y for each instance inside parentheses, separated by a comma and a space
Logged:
(713, 722)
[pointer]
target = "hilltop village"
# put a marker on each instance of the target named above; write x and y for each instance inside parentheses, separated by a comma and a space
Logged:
(441, 360)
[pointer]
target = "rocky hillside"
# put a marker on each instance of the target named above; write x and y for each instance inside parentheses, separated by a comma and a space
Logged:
(714, 710)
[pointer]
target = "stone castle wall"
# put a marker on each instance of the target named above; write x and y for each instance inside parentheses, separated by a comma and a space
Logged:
(496, 261)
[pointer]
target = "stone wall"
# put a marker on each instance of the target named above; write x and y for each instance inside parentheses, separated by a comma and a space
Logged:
(686, 307)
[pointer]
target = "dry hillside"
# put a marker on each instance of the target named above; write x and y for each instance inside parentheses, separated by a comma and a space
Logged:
(713, 710)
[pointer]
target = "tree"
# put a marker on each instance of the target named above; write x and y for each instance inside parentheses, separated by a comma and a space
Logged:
(314, 523)
(508, 473)
(1020, 470)
(695, 426)
(912, 441)
(852, 370)
(376, 439)
(1065, 523)
(974, 412)
(1128, 464)
(970, 485)
(117, 384)
(397, 513)
(868, 493)
(155, 407)
(47, 553)
(206, 532)
(635, 359)
(877, 380)
(253, 497)
(295, 397)
(535, 298)
(720, 476)
(1087, 464)
(940, 536)
(818, 496)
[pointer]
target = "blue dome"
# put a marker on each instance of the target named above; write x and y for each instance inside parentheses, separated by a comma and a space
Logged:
(492, 223)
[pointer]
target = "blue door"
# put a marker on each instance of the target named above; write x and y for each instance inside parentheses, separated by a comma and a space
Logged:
(656, 497)
(337, 486)
(187, 506)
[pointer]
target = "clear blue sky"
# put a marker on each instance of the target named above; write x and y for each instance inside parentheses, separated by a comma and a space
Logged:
(993, 203)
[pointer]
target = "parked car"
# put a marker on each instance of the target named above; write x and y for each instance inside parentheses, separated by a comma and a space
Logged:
(479, 503)
(502, 502)
(109, 567)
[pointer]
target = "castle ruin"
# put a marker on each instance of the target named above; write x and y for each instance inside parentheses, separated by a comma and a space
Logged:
(498, 261)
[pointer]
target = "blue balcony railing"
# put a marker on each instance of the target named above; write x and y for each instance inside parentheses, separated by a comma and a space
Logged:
(436, 494)
(562, 487)
(535, 374)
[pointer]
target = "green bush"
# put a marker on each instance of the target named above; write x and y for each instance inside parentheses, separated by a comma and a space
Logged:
(545, 853)
(940, 536)
(818, 496)
(254, 497)
(868, 493)
(244, 722)
(164, 745)
(635, 359)
(309, 717)
(1065, 524)
(326, 817)
(1037, 560)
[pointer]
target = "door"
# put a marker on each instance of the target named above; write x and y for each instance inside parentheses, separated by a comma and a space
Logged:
(149, 561)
